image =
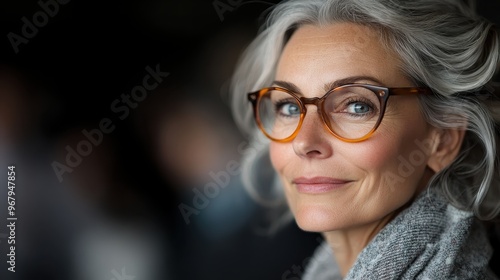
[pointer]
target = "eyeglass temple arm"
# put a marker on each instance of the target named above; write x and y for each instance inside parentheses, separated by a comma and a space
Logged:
(409, 91)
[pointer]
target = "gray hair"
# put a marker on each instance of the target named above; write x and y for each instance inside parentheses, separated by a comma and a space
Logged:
(442, 44)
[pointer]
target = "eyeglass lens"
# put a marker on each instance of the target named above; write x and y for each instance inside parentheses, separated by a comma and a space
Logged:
(350, 112)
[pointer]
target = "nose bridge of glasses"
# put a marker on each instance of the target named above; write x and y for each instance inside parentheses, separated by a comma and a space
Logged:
(312, 100)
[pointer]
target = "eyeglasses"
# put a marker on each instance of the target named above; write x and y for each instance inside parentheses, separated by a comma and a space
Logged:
(350, 112)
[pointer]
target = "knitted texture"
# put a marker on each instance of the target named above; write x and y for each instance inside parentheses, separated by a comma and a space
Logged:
(429, 240)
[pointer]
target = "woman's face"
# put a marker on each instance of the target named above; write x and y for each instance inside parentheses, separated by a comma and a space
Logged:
(331, 184)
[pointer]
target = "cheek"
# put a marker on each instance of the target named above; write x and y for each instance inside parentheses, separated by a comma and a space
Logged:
(394, 159)
(285, 161)
(395, 141)
(280, 155)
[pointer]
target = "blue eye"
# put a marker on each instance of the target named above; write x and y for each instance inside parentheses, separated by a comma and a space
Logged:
(358, 107)
(288, 109)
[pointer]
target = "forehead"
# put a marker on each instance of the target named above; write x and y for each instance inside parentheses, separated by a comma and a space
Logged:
(337, 51)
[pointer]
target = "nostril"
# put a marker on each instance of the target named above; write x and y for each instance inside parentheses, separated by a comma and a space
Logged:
(314, 153)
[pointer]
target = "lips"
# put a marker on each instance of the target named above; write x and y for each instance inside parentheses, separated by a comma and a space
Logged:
(318, 184)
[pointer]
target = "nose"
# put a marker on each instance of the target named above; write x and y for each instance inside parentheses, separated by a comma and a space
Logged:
(313, 140)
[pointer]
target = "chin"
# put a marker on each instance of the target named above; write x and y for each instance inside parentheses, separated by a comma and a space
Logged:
(315, 218)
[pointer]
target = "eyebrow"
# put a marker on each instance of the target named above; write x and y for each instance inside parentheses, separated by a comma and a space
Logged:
(331, 85)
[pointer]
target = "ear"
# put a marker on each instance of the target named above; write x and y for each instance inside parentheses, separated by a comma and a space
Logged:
(447, 146)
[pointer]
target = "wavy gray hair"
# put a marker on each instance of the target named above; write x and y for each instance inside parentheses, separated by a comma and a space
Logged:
(442, 44)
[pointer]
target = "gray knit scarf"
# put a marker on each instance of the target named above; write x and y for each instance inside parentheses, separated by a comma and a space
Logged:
(429, 240)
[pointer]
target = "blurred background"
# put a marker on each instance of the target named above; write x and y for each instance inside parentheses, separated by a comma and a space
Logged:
(115, 115)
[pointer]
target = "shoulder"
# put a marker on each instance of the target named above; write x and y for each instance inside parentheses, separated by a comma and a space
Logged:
(461, 251)
(429, 240)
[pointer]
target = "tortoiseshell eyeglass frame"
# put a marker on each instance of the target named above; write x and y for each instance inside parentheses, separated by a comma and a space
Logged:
(382, 94)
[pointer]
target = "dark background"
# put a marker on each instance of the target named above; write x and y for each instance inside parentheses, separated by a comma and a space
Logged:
(85, 57)
(70, 72)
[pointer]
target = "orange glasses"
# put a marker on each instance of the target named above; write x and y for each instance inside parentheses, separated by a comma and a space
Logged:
(350, 112)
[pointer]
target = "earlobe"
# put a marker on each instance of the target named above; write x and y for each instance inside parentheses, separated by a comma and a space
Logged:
(446, 149)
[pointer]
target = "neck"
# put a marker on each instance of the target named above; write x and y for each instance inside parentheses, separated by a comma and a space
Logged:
(348, 243)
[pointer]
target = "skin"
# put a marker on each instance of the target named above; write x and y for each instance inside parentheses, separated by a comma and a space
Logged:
(350, 216)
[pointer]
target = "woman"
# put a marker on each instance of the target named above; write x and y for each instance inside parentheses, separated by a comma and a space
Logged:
(383, 125)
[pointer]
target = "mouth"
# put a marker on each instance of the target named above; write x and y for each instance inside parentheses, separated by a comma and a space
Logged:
(318, 184)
